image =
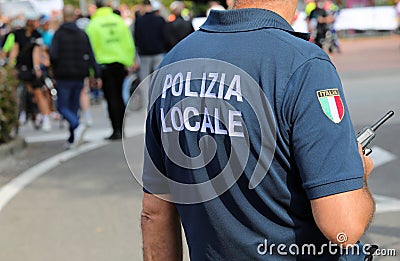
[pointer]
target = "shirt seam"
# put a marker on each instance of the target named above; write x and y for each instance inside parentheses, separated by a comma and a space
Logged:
(332, 182)
(280, 99)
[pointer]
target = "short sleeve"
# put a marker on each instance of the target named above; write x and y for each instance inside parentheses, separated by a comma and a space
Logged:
(321, 132)
(17, 35)
(9, 42)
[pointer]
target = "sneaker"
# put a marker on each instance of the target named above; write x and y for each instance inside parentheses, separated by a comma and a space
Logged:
(22, 118)
(78, 135)
(115, 136)
(67, 145)
(88, 118)
(46, 124)
(37, 121)
(89, 122)
(55, 116)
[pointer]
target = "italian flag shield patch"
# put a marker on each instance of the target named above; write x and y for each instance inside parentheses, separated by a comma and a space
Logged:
(331, 104)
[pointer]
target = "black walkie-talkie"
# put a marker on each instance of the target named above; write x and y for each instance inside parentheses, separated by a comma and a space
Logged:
(368, 134)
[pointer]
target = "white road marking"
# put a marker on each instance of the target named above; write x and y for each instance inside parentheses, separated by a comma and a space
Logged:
(46, 137)
(90, 135)
(131, 122)
(11, 189)
(386, 204)
(380, 156)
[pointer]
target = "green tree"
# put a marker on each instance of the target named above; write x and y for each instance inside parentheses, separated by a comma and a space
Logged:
(8, 104)
(196, 7)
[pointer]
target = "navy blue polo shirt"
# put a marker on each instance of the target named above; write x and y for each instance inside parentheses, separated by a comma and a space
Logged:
(314, 150)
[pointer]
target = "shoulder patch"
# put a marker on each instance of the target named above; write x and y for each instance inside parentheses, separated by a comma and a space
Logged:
(331, 104)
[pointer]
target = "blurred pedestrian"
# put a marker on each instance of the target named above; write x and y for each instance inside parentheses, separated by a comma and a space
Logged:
(214, 5)
(90, 91)
(114, 50)
(179, 28)
(4, 29)
(89, 82)
(332, 39)
(47, 35)
(9, 38)
(45, 30)
(319, 20)
(27, 55)
(72, 57)
(150, 38)
(85, 102)
(310, 6)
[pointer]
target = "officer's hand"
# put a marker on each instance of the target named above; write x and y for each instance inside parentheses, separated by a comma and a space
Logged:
(367, 163)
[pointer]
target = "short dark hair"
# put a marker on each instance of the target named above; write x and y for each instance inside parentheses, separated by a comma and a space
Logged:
(99, 3)
(146, 2)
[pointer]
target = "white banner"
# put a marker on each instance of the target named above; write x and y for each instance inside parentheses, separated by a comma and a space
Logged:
(367, 18)
(47, 6)
(360, 18)
(15, 8)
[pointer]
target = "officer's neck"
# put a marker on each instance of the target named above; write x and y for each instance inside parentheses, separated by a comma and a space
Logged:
(285, 8)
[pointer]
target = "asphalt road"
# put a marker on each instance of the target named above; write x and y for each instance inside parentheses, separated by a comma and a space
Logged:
(86, 206)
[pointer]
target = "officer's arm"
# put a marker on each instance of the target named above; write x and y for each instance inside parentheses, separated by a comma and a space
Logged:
(161, 230)
(346, 215)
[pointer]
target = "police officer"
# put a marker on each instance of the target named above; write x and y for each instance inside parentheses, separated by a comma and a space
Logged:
(114, 49)
(305, 198)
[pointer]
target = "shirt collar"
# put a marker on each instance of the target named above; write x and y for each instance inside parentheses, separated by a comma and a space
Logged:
(247, 19)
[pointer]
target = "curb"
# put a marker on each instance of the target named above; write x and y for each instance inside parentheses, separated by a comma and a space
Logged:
(12, 147)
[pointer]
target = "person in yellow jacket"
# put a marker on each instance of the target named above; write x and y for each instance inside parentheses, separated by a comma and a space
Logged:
(310, 6)
(114, 49)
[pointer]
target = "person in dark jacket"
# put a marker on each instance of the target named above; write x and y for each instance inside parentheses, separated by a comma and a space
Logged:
(150, 38)
(321, 19)
(72, 57)
(179, 28)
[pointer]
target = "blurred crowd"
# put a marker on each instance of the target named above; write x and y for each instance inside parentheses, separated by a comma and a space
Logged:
(126, 43)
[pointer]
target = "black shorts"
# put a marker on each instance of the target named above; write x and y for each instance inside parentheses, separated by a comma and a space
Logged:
(28, 76)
